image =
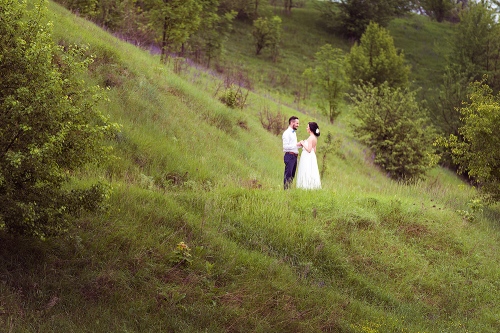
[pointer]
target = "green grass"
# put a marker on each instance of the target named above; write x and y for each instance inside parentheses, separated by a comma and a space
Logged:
(365, 254)
(426, 45)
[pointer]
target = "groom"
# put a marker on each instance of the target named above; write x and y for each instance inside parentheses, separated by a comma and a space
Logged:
(291, 150)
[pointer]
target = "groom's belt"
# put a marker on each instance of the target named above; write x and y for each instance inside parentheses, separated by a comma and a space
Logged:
(292, 153)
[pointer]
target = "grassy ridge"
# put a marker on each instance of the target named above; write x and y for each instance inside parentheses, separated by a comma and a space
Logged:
(365, 254)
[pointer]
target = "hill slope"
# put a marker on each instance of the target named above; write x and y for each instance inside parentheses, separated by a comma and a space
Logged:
(364, 254)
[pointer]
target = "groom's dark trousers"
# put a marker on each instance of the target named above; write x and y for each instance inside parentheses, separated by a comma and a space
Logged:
(290, 160)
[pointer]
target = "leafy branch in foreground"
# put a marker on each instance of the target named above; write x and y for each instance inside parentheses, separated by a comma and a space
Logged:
(49, 126)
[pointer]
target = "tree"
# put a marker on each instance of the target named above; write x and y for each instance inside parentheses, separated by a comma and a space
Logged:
(244, 8)
(174, 21)
(352, 17)
(477, 152)
(275, 37)
(438, 10)
(476, 44)
(49, 126)
(208, 41)
(267, 33)
(287, 6)
(392, 124)
(452, 93)
(86, 8)
(375, 59)
(329, 78)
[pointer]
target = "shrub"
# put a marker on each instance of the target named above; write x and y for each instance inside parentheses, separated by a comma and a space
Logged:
(49, 126)
(477, 151)
(275, 124)
(391, 124)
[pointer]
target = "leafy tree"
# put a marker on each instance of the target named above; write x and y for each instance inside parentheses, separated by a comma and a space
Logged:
(476, 44)
(275, 37)
(445, 107)
(86, 8)
(438, 10)
(260, 33)
(173, 21)
(477, 151)
(352, 17)
(244, 8)
(122, 16)
(452, 93)
(392, 124)
(49, 126)
(375, 59)
(329, 78)
(208, 41)
(267, 33)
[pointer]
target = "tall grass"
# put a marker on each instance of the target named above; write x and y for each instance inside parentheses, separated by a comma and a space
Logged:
(365, 254)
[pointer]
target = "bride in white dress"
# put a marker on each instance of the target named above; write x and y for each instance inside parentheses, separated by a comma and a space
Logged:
(308, 173)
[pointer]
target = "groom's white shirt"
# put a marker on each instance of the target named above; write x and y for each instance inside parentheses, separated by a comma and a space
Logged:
(290, 141)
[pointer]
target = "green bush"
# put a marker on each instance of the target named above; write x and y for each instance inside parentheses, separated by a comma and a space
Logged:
(477, 151)
(49, 125)
(391, 124)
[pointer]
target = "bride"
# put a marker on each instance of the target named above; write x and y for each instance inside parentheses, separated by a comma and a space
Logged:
(308, 173)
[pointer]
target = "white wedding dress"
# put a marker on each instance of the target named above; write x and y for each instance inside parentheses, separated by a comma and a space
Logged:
(308, 173)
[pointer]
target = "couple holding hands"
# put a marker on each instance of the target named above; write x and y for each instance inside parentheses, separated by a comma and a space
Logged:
(308, 173)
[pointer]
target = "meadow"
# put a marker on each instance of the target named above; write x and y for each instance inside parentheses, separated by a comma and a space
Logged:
(198, 235)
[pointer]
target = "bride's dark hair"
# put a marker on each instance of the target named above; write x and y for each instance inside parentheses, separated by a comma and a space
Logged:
(314, 128)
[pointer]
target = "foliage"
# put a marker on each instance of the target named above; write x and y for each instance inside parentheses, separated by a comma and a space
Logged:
(375, 60)
(173, 22)
(444, 108)
(439, 10)
(352, 17)
(475, 208)
(328, 77)
(392, 125)
(476, 44)
(452, 93)
(234, 97)
(49, 125)
(477, 151)
(267, 33)
(182, 255)
(244, 8)
(86, 8)
(209, 39)
(275, 37)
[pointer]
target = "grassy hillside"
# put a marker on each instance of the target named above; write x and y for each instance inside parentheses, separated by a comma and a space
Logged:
(425, 44)
(364, 254)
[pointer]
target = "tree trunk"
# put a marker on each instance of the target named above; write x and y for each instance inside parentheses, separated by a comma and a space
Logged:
(163, 56)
